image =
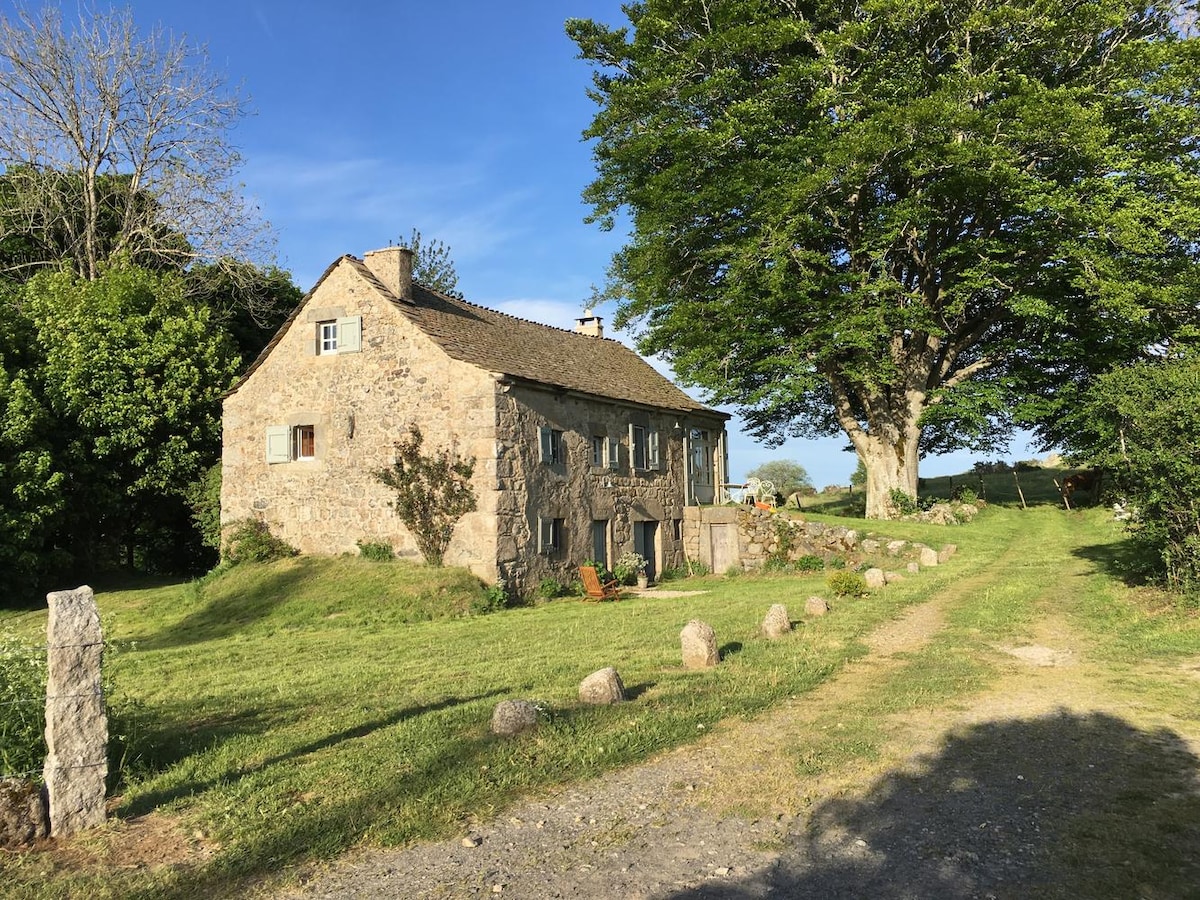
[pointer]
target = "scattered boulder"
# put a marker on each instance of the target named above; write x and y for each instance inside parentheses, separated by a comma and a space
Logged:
(946, 552)
(777, 622)
(22, 813)
(928, 558)
(874, 578)
(513, 716)
(699, 644)
(602, 688)
(889, 577)
(895, 548)
(815, 606)
(913, 568)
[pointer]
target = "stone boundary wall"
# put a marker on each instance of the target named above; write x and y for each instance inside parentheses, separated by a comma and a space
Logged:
(761, 532)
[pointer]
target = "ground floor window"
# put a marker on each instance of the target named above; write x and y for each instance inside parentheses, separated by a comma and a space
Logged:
(304, 442)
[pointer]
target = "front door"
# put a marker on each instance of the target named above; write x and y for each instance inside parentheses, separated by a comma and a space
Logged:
(645, 537)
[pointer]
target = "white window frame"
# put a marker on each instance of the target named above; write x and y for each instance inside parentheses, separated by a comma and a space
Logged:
(298, 432)
(342, 335)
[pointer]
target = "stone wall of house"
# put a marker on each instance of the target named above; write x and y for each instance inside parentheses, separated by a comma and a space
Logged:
(579, 493)
(360, 403)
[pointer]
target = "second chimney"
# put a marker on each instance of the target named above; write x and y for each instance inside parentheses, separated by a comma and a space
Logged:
(392, 266)
(589, 324)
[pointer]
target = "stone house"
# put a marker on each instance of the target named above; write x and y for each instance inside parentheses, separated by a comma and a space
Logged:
(582, 449)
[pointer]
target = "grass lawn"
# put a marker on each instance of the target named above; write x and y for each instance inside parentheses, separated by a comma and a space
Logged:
(283, 713)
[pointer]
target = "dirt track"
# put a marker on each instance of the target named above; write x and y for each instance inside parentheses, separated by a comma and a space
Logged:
(1004, 795)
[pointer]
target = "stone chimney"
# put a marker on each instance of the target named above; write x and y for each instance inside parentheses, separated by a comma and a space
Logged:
(393, 266)
(590, 325)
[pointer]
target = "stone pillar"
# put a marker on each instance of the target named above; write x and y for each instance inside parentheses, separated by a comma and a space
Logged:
(76, 723)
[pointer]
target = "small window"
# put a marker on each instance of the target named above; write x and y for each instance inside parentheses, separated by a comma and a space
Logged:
(552, 446)
(327, 337)
(550, 535)
(286, 444)
(637, 446)
(304, 442)
(614, 453)
(339, 336)
(653, 460)
(599, 446)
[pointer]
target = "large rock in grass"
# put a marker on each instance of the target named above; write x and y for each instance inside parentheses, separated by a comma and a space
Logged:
(513, 716)
(699, 644)
(22, 813)
(777, 623)
(928, 558)
(874, 578)
(602, 688)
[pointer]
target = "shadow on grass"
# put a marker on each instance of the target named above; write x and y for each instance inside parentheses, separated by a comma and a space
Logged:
(1058, 806)
(632, 692)
(730, 649)
(1121, 559)
(255, 721)
(223, 616)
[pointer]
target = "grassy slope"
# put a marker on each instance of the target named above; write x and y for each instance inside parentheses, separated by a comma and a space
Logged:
(291, 711)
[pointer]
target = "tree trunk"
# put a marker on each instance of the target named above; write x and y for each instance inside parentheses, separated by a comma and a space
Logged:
(891, 465)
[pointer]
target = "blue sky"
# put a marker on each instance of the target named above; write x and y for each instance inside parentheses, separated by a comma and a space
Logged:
(462, 118)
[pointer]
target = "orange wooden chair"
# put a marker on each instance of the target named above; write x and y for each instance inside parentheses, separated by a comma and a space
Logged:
(594, 589)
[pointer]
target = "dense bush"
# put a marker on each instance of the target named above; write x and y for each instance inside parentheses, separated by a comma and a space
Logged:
(376, 551)
(250, 540)
(1142, 424)
(846, 583)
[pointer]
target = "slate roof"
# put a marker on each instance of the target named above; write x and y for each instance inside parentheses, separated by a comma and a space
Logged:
(497, 342)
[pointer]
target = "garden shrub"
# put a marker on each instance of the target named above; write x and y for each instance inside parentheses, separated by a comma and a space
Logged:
(250, 540)
(809, 563)
(376, 551)
(845, 583)
(549, 588)
(491, 598)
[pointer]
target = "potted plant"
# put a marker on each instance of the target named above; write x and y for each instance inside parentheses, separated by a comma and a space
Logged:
(631, 566)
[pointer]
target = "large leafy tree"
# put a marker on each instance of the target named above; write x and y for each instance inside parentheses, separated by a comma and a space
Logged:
(915, 221)
(133, 373)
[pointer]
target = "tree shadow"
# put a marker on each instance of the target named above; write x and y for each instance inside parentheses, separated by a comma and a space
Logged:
(222, 616)
(257, 722)
(1121, 559)
(1060, 806)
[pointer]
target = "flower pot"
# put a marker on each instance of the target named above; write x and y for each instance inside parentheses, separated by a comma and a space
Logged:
(643, 581)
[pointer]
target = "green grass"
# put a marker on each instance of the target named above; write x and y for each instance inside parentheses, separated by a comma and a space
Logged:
(289, 711)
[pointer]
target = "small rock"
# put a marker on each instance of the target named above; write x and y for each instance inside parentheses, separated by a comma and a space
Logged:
(815, 606)
(777, 622)
(928, 558)
(22, 813)
(874, 578)
(721, 871)
(946, 552)
(513, 716)
(602, 688)
(699, 645)
(913, 568)
(472, 840)
(889, 577)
